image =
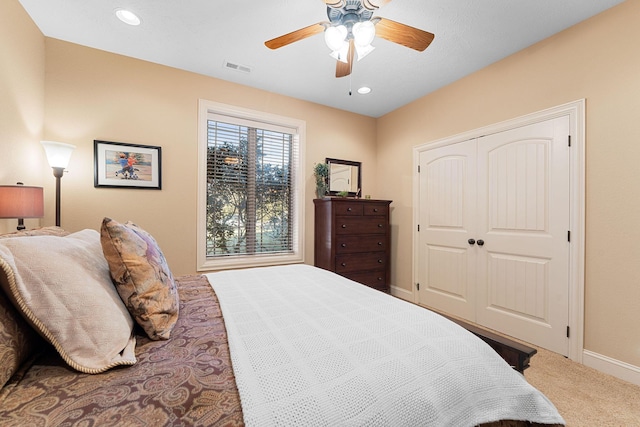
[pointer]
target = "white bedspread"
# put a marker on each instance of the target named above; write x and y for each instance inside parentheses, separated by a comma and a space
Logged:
(310, 348)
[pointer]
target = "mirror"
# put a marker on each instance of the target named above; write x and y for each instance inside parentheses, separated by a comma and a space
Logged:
(344, 175)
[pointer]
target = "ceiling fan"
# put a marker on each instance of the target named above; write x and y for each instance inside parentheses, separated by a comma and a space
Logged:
(352, 28)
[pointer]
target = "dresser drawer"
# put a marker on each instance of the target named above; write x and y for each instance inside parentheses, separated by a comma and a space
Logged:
(361, 225)
(361, 261)
(374, 279)
(376, 209)
(349, 208)
(346, 244)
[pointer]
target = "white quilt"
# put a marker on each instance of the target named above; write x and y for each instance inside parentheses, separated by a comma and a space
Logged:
(311, 348)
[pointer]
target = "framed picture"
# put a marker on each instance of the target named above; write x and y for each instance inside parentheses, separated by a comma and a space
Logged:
(117, 164)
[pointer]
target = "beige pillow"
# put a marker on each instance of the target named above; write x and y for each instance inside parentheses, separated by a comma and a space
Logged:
(18, 340)
(142, 277)
(61, 285)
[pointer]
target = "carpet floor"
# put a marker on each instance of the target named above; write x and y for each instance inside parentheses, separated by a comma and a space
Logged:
(584, 396)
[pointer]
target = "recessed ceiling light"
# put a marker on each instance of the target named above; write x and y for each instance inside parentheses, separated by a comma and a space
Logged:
(364, 90)
(128, 17)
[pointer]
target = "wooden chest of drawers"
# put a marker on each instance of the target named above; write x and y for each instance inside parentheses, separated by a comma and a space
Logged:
(352, 238)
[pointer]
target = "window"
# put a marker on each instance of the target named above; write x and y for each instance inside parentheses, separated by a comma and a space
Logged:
(250, 188)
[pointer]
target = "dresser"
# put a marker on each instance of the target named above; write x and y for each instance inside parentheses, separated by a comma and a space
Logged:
(352, 238)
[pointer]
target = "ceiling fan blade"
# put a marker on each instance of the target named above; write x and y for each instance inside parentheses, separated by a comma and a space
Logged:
(373, 4)
(295, 36)
(344, 69)
(403, 34)
(335, 3)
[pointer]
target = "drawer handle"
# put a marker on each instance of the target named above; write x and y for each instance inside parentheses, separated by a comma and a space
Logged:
(379, 243)
(379, 279)
(380, 225)
(375, 209)
(344, 264)
(379, 261)
(348, 209)
(344, 225)
(344, 245)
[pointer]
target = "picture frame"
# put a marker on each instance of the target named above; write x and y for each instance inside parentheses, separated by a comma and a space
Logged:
(122, 165)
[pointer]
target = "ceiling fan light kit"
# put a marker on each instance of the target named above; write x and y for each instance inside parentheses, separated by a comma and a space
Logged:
(352, 27)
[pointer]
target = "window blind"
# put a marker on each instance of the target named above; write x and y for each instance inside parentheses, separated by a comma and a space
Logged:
(250, 175)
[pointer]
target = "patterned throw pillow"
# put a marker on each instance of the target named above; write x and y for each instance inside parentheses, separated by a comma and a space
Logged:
(18, 340)
(61, 285)
(142, 276)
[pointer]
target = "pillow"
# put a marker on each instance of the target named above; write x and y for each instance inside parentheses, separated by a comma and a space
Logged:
(18, 340)
(61, 285)
(142, 276)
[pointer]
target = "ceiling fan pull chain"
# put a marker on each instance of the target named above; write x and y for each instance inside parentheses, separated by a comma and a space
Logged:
(350, 84)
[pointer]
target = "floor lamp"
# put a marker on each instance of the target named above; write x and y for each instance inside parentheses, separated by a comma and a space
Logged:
(21, 201)
(58, 155)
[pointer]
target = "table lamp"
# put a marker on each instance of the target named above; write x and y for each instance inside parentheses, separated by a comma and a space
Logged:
(21, 201)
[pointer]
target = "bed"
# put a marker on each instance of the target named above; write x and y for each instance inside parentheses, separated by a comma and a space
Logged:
(271, 346)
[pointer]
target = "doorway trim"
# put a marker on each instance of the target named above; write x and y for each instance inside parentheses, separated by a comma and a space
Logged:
(576, 112)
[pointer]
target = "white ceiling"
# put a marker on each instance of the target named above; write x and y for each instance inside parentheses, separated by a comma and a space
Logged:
(202, 35)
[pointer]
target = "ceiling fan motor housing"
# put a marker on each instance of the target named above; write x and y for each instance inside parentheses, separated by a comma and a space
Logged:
(349, 14)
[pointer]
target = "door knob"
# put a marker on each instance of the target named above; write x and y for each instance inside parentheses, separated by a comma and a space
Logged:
(471, 241)
(480, 242)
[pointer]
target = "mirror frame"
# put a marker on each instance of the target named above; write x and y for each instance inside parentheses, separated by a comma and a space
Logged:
(330, 161)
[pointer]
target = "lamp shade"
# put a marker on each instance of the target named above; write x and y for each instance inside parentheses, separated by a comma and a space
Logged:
(363, 33)
(21, 201)
(58, 153)
(342, 53)
(335, 37)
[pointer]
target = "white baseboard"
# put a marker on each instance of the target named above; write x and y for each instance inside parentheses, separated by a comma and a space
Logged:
(613, 367)
(401, 293)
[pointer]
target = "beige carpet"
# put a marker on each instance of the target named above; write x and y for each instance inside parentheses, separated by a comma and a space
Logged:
(584, 396)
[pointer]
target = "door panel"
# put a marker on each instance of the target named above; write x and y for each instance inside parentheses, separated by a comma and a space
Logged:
(523, 218)
(447, 206)
(518, 285)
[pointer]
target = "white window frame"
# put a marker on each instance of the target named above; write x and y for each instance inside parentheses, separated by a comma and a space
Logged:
(206, 109)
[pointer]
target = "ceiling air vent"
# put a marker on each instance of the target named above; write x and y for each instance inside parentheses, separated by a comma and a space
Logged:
(237, 67)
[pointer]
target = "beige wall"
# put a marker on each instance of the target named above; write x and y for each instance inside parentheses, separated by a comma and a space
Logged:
(21, 103)
(597, 60)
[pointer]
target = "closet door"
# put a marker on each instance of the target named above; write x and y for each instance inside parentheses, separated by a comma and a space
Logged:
(523, 220)
(494, 219)
(447, 271)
